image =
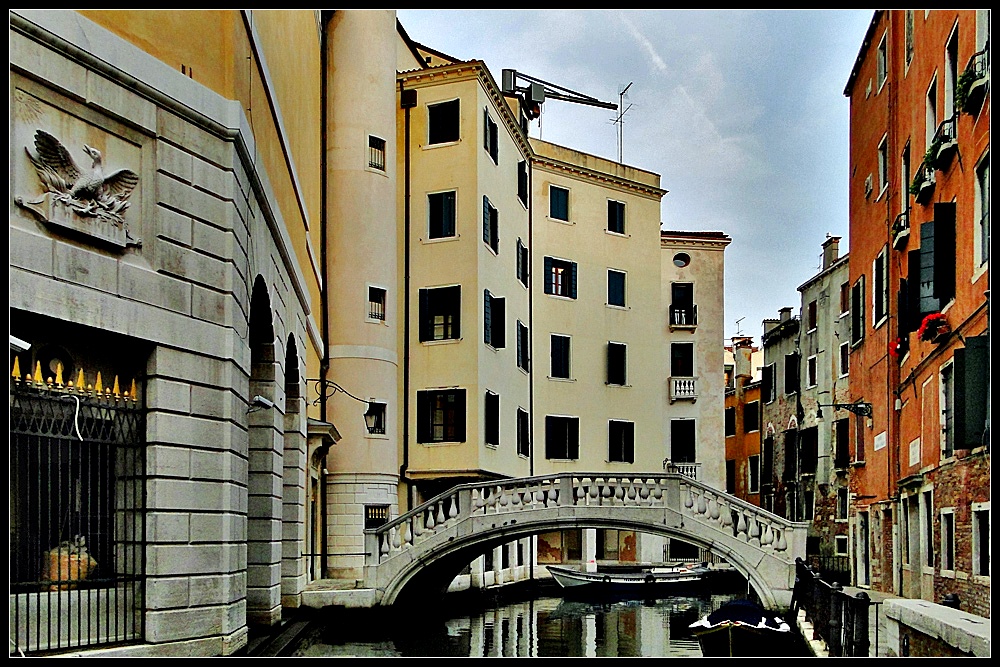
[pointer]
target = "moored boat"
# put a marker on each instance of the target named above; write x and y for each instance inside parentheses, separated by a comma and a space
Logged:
(644, 582)
(742, 628)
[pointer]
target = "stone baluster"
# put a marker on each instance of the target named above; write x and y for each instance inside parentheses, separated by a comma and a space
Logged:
(384, 544)
(754, 532)
(741, 523)
(768, 536)
(406, 533)
(701, 508)
(713, 509)
(631, 493)
(781, 545)
(643, 490)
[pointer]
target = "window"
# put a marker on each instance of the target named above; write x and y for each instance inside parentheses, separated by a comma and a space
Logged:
(491, 419)
(440, 313)
(904, 178)
(880, 288)
(616, 363)
(621, 438)
(883, 165)
(522, 182)
(950, 75)
(908, 35)
(682, 360)
(523, 433)
(558, 203)
(930, 113)
(842, 496)
(845, 298)
(562, 437)
(682, 442)
(376, 303)
(730, 421)
(560, 277)
(947, 410)
(441, 416)
(753, 473)
(841, 544)
(683, 312)
(808, 450)
(376, 153)
(730, 476)
(767, 383)
(442, 122)
(523, 263)
(767, 459)
(375, 415)
(845, 359)
(491, 223)
(790, 441)
(981, 539)
(559, 346)
(751, 416)
(858, 312)
(842, 453)
(490, 138)
(441, 215)
(494, 318)
(376, 516)
(937, 261)
(811, 316)
(882, 62)
(682, 259)
(522, 346)
(811, 371)
(616, 217)
(927, 517)
(792, 373)
(616, 288)
(948, 539)
(983, 212)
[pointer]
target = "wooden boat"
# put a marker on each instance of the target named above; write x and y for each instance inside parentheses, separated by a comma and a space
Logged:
(640, 583)
(743, 628)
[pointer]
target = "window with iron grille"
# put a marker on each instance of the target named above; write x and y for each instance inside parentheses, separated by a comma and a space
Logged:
(523, 433)
(621, 441)
(562, 437)
(376, 153)
(443, 122)
(616, 217)
(441, 416)
(440, 313)
(560, 277)
(376, 516)
(376, 303)
(617, 363)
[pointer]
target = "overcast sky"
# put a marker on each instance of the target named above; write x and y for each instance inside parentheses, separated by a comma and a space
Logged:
(742, 113)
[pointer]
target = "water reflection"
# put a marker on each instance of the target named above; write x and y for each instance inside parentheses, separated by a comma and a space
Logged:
(541, 627)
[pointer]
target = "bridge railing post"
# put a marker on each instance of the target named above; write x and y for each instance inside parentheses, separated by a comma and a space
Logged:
(859, 637)
(464, 503)
(835, 641)
(566, 496)
(371, 548)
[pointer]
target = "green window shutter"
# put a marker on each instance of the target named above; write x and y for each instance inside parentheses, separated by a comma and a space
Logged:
(486, 220)
(487, 317)
(972, 386)
(944, 252)
(572, 280)
(912, 292)
(548, 275)
(928, 301)
(425, 317)
(423, 417)
(498, 322)
(459, 415)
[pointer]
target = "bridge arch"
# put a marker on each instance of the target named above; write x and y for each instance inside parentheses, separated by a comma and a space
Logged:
(420, 552)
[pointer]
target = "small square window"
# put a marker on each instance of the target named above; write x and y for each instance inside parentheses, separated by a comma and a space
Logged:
(376, 516)
(375, 418)
(376, 303)
(441, 215)
(443, 122)
(616, 217)
(558, 203)
(621, 442)
(841, 544)
(376, 153)
(616, 288)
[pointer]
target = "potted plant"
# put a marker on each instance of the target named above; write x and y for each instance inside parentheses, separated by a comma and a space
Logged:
(962, 87)
(933, 326)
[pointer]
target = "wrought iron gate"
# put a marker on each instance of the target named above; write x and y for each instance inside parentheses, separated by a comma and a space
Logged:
(77, 517)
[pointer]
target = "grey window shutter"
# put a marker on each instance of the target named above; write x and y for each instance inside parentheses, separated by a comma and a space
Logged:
(487, 317)
(460, 415)
(972, 386)
(425, 316)
(928, 301)
(944, 252)
(548, 275)
(423, 417)
(912, 291)
(486, 219)
(572, 281)
(456, 305)
(498, 322)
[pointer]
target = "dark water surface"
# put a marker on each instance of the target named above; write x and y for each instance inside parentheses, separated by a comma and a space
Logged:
(544, 625)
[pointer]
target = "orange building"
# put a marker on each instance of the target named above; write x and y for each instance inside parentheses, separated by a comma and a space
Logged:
(919, 275)
(742, 425)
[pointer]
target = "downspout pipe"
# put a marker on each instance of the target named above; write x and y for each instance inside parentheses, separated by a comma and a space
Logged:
(324, 366)
(407, 100)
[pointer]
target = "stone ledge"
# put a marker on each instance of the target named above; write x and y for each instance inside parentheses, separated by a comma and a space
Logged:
(966, 632)
(337, 593)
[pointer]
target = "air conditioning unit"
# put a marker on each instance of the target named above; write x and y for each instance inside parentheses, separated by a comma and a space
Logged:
(868, 186)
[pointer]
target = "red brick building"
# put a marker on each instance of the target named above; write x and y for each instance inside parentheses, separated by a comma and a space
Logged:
(919, 275)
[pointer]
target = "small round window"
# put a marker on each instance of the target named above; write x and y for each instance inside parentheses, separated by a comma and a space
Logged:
(682, 259)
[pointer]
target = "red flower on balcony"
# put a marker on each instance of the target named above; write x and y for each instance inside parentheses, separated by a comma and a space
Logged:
(934, 325)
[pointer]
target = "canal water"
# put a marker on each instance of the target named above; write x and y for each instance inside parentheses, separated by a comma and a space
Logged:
(543, 625)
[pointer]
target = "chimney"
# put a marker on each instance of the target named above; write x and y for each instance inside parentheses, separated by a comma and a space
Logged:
(830, 250)
(742, 349)
(785, 313)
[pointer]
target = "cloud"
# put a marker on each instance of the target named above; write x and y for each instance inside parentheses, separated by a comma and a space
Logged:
(645, 43)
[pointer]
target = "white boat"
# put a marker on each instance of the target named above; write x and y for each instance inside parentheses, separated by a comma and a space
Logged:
(641, 582)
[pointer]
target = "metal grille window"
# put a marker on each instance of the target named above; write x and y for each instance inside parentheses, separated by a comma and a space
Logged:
(376, 303)
(77, 508)
(376, 153)
(376, 516)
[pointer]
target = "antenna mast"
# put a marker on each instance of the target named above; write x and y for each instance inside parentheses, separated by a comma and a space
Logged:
(620, 120)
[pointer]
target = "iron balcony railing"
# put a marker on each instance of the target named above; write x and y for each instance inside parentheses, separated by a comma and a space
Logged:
(901, 230)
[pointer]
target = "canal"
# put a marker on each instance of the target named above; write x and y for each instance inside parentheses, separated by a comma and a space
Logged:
(534, 622)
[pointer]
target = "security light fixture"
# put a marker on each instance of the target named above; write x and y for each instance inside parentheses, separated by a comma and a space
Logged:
(860, 408)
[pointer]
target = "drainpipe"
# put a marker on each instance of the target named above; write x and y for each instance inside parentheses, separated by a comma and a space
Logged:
(533, 551)
(324, 366)
(407, 102)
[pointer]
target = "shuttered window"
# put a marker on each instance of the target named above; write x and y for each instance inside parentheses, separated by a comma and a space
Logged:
(441, 416)
(443, 122)
(490, 137)
(562, 437)
(858, 312)
(494, 318)
(616, 288)
(523, 347)
(523, 433)
(441, 215)
(523, 263)
(560, 356)
(491, 225)
(621, 441)
(440, 313)
(558, 203)
(616, 217)
(616, 363)
(491, 419)
(560, 277)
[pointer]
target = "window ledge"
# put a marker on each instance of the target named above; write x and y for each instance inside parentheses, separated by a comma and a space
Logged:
(496, 253)
(443, 144)
(858, 464)
(614, 384)
(811, 331)
(560, 296)
(380, 172)
(446, 443)
(490, 445)
(441, 239)
(616, 307)
(621, 235)
(561, 380)
(567, 460)
(561, 222)
(446, 341)
(376, 436)
(372, 320)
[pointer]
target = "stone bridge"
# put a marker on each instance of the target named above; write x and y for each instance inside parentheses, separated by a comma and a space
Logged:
(419, 553)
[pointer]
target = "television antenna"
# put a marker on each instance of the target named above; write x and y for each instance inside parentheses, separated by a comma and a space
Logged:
(738, 331)
(620, 119)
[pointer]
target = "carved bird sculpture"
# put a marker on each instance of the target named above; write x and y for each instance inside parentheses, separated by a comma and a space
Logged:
(61, 175)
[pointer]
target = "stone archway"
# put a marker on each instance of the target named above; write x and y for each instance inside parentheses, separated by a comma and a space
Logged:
(294, 483)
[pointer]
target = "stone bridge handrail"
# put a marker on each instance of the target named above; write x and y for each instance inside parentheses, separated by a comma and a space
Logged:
(683, 494)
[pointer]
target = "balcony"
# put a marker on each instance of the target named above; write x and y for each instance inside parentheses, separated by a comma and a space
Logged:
(683, 389)
(970, 91)
(901, 230)
(692, 470)
(683, 317)
(922, 186)
(944, 145)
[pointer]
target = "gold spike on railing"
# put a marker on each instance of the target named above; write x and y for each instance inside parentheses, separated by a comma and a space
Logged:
(16, 371)
(38, 372)
(115, 390)
(80, 381)
(132, 390)
(59, 377)
(98, 387)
